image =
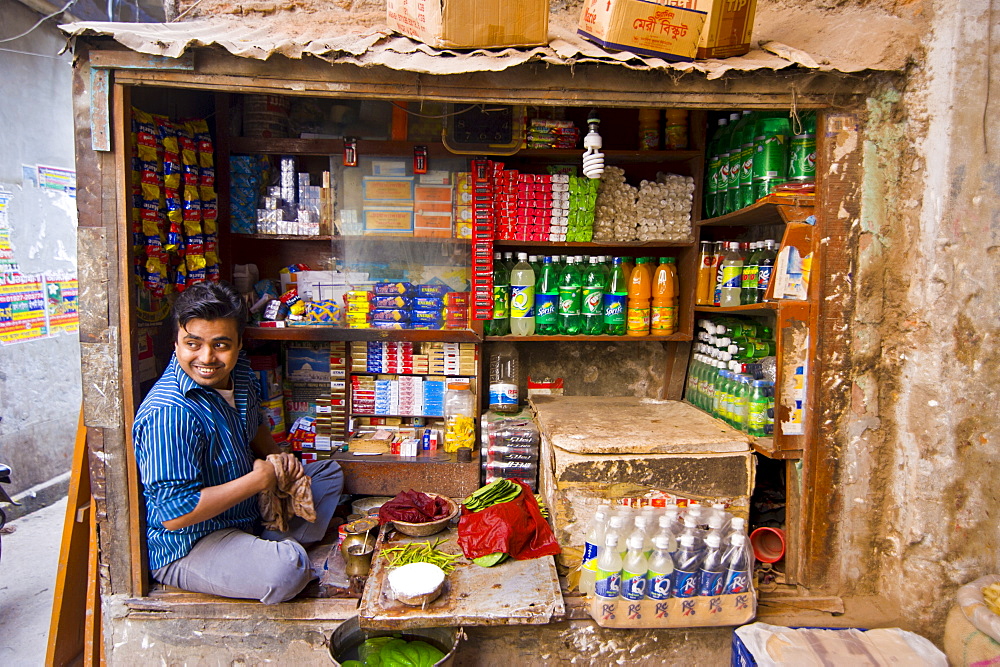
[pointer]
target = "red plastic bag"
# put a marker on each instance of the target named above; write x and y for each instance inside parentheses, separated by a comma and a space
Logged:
(515, 527)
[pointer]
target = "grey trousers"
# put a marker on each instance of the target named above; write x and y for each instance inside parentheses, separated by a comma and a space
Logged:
(271, 568)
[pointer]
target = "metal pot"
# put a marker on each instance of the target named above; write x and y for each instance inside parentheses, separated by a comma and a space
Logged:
(349, 635)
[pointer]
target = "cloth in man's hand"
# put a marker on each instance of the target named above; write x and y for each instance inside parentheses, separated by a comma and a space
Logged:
(292, 495)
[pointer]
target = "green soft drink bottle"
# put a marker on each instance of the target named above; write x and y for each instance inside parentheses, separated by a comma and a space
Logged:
(736, 162)
(615, 297)
(757, 409)
(714, 168)
(570, 297)
(501, 297)
(547, 299)
(592, 304)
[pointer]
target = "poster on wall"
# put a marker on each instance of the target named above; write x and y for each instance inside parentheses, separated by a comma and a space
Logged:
(60, 303)
(57, 179)
(22, 308)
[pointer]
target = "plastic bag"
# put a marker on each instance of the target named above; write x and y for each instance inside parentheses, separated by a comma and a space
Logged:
(970, 599)
(515, 527)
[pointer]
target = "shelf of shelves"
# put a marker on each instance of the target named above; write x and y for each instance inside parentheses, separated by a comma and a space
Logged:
(610, 156)
(329, 147)
(284, 237)
(353, 239)
(749, 308)
(449, 375)
(676, 337)
(369, 414)
(296, 146)
(773, 210)
(324, 333)
(509, 243)
(765, 447)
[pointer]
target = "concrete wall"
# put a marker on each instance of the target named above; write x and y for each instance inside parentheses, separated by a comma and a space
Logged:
(920, 493)
(39, 379)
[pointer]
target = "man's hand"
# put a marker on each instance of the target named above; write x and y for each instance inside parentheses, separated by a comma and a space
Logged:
(266, 474)
(292, 466)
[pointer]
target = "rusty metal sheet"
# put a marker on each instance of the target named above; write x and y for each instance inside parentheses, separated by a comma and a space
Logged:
(524, 592)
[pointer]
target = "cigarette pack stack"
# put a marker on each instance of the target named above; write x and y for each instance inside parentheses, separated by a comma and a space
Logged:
(483, 223)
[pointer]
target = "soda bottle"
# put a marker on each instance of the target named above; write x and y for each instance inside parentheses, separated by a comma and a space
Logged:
(713, 569)
(757, 409)
(593, 298)
(660, 570)
(608, 576)
(765, 267)
(639, 293)
(802, 152)
(522, 297)
(592, 547)
(751, 269)
(714, 168)
(706, 277)
(736, 142)
(737, 561)
(500, 324)
(547, 299)
(615, 295)
(719, 251)
(536, 266)
(687, 562)
(644, 530)
(741, 402)
(725, 170)
(570, 297)
(663, 317)
(746, 197)
(634, 569)
(504, 379)
(732, 272)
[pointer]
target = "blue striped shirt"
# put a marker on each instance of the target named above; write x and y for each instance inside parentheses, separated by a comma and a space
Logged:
(187, 438)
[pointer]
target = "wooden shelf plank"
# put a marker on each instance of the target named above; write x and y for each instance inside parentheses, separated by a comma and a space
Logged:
(510, 243)
(773, 210)
(749, 308)
(324, 333)
(676, 337)
(388, 474)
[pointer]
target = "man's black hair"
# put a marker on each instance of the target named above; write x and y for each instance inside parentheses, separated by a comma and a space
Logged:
(210, 301)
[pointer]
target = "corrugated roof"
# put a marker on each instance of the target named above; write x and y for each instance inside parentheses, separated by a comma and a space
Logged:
(853, 40)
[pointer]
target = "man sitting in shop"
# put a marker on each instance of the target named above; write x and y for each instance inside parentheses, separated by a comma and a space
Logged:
(201, 442)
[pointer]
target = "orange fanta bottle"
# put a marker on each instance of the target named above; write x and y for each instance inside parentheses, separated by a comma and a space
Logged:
(663, 320)
(639, 293)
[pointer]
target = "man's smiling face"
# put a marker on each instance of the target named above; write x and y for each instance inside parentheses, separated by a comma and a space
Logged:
(207, 350)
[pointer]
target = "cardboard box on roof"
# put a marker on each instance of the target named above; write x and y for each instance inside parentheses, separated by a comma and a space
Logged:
(468, 24)
(728, 28)
(643, 27)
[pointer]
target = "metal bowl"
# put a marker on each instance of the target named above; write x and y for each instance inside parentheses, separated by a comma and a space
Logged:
(430, 527)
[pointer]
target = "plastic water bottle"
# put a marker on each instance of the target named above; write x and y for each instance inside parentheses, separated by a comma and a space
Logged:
(660, 570)
(592, 547)
(643, 531)
(692, 530)
(615, 299)
(593, 298)
(504, 379)
(732, 276)
(608, 578)
(547, 299)
(634, 569)
(716, 526)
(666, 530)
(713, 569)
(522, 297)
(737, 562)
(570, 297)
(687, 565)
